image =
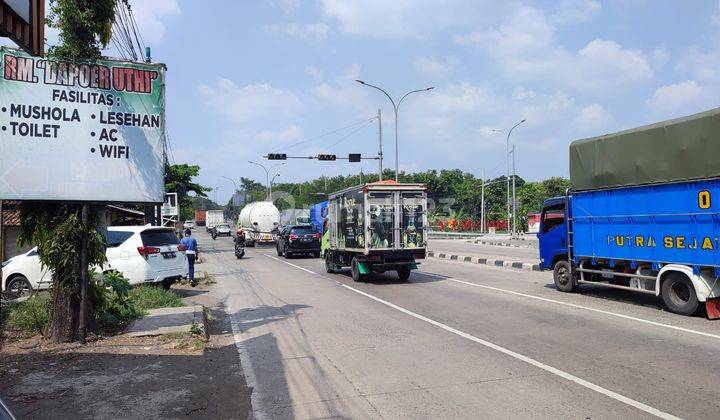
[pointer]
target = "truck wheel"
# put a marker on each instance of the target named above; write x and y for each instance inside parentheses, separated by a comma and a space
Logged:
(403, 273)
(355, 271)
(679, 295)
(329, 266)
(562, 275)
(277, 249)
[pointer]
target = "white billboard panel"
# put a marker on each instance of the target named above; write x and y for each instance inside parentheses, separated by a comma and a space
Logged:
(87, 131)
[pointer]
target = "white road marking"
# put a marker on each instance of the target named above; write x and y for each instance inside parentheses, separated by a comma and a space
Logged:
(565, 375)
(248, 371)
(573, 305)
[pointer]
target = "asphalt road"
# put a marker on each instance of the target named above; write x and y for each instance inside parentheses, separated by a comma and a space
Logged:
(463, 247)
(457, 341)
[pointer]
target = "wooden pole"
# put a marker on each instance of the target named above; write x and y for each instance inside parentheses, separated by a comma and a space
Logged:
(84, 275)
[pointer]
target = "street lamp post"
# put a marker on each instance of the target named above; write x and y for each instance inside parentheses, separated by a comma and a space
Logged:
(271, 182)
(267, 177)
(395, 108)
(507, 157)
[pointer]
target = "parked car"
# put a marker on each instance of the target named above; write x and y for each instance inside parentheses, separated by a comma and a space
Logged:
(143, 254)
(222, 229)
(189, 224)
(298, 239)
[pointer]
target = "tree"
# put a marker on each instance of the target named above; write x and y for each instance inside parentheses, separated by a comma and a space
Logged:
(57, 228)
(85, 27)
(179, 178)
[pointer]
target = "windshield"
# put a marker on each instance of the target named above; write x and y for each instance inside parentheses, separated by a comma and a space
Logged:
(223, 227)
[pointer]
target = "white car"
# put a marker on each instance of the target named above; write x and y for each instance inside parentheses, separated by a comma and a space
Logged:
(223, 229)
(189, 224)
(143, 254)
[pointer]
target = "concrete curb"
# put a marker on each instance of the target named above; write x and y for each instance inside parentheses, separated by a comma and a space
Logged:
(517, 265)
(493, 243)
(169, 320)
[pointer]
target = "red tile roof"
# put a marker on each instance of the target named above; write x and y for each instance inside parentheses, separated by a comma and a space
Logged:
(10, 213)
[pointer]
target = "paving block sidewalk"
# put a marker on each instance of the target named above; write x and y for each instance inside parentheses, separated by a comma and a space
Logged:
(492, 261)
(169, 320)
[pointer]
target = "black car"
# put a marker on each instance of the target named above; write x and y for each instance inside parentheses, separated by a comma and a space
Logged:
(298, 239)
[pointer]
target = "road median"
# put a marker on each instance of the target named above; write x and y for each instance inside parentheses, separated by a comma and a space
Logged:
(502, 263)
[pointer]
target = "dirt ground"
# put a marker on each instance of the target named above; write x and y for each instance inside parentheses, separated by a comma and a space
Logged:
(129, 377)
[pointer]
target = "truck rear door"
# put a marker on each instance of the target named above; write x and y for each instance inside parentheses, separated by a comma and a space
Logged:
(413, 213)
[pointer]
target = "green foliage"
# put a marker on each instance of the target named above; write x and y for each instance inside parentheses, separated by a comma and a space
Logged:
(57, 230)
(30, 316)
(455, 194)
(151, 297)
(85, 27)
(110, 293)
(179, 178)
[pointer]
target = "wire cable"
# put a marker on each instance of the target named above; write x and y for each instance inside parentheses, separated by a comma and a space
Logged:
(326, 134)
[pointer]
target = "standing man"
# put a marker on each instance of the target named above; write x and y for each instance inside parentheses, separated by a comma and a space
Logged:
(191, 252)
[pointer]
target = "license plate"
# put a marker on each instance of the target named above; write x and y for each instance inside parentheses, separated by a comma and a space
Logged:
(168, 255)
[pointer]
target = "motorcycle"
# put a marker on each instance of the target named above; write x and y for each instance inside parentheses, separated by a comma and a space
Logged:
(239, 244)
(213, 233)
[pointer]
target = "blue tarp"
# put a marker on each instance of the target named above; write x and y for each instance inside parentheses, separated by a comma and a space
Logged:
(318, 212)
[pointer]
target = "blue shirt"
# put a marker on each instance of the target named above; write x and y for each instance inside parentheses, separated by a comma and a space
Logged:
(190, 245)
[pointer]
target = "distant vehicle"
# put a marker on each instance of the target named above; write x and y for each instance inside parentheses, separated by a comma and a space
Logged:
(318, 213)
(200, 217)
(213, 218)
(642, 214)
(189, 224)
(377, 227)
(295, 217)
(298, 239)
(260, 221)
(223, 229)
(239, 243)
(143, 254)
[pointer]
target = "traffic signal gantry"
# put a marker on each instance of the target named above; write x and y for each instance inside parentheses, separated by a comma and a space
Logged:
(352, 157)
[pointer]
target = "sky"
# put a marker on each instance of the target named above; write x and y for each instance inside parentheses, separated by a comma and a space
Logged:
(250, 77)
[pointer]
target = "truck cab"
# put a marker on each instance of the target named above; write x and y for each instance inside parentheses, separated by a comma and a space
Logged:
(552, 234)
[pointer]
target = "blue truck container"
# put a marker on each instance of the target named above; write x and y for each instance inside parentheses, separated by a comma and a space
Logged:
(660, 236)
(318, 213)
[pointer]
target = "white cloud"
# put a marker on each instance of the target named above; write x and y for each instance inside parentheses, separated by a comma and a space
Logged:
(343, 91)
(684, 97)
(287, 134)
(149, 16)
(660, 57)
(300, 30)
(240, 104)
(435, 67)
(575, 11)
(410, 18)
(592, 118)
(526, 49)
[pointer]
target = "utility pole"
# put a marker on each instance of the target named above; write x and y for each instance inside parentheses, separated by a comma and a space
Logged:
(514, 202)
(482, 201)
(380, 153)
(507, 158)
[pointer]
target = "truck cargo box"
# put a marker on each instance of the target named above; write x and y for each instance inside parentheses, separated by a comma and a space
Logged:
(677, 150)
(664, 223)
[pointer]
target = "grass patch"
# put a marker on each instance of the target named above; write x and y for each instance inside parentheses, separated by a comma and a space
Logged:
(150, 297)
(187, 340)
(28, 317)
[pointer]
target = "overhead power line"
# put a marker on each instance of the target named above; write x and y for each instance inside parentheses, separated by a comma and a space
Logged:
(365, 121)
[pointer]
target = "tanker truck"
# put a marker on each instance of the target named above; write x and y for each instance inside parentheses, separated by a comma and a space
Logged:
(260, 221)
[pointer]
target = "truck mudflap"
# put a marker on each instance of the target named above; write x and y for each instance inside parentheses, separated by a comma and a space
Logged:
(713, 308)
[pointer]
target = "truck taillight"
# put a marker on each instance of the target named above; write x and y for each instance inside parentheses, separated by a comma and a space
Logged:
(316, 236)
(147, 250)
(293, 237)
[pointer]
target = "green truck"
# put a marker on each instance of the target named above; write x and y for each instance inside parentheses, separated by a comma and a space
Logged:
(377, 227)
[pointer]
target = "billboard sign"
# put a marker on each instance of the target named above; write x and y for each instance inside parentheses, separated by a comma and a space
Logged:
(170, 207)
(81, 131)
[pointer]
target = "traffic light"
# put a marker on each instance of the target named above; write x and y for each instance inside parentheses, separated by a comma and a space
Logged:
(327, 157)
(277, 156)
(354, 157)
